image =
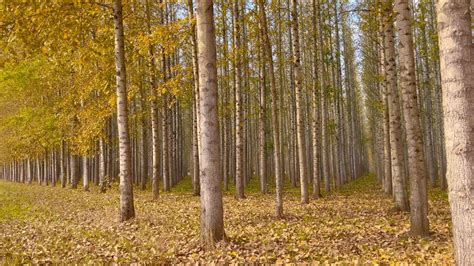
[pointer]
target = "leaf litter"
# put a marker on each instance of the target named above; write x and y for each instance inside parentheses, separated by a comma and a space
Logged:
(355, 225)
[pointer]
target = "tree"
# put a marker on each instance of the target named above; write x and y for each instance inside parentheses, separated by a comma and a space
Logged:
(143, 140)
(316, 103)
(85, 173)
(102, 163)
(457, 72)
(62, 162)
(127, 209)
(239, 123)
(196, 182)
(74, 171)
(212, 221)
(393, 100)
(416, 158)
(262, 154)
(155, 122)
(299, 104)
(324, 106)
(275, 112)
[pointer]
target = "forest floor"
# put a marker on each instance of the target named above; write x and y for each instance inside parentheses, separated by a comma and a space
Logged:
(356, 224)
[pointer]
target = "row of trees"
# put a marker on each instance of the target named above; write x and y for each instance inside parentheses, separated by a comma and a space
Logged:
(270, 114)
(398, 134)
(421, 136)
(301, 98)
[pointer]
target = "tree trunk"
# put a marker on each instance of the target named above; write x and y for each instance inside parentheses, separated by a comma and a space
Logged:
(227, 135)
(102, 178)
(74, 172)
(416, 157)
(315, 107)
(457, 72)
(275, 112)
(165, 143)
(395, 124)
(29, 173)
(324, 108)
(155, 124)
(143, 142)
(195, 141)
(85, 173)
(387, 181)
(62, 162)
(127, 210)
(212, 222)
(300, 128)
(239, 130)
(261, 127)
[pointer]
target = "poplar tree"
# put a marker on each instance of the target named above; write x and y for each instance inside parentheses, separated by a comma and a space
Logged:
(212, 221)
(127, 209)
(457, 71)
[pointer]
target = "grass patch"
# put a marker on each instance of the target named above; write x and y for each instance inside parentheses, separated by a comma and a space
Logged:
(13, 205)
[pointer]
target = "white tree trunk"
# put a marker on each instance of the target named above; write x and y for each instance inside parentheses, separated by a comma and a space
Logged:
(300, 128)
(262, 155)
(275, 113)
(102, 179)
(127, 210)
(74, 174)
(155, 122)
(212, 221)
(315, 113)
(396, 144)
(416, 158)
(195, 141)
(239, 123)
(457, 77)
(85, 173)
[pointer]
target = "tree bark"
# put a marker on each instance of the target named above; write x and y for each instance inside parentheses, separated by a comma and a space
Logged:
(155, 122)
(416, 157)
(102, 165)
(127, 209)
(227, 135)
(275, 113)
(395, 123)
(387, 182)
(324, 108)
(300, 129)
(85, 173)
(316, 108)
(143, 142)
(239, 127)
(457, 72)
(195, 142)
(74, 172)
(212, 222)
(62, 162)
(261, 126)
